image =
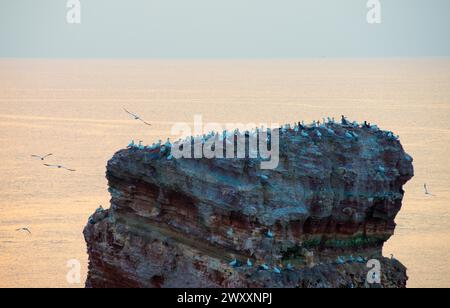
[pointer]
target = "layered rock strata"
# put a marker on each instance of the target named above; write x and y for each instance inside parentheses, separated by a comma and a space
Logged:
(314, 221)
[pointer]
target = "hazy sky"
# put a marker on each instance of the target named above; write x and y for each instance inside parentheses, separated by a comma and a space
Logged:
(224, 28)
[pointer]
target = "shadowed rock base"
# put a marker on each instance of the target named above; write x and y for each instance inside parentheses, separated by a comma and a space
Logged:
(179, 223)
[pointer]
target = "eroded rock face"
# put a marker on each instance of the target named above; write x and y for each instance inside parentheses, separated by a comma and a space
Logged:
(179, 223)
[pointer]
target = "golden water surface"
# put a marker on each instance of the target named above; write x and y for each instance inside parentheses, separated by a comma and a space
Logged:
(73, 109)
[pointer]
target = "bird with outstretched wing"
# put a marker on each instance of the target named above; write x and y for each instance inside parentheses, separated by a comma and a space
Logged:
(136, 117)
(41, 157)
(427, 192)
(59, 167)
(24, 229)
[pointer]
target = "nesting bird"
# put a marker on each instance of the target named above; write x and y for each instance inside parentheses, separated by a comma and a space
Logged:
(131, 145)
(234, 263)
(230, 232)
(264, 177)
(168, 144)
(249, 263)
(340, 260)
(348, 135)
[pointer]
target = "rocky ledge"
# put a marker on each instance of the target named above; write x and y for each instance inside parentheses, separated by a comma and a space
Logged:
(314, 221)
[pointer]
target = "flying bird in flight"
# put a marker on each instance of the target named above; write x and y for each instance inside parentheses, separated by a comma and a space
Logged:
(136, 117)
(59, 167)
(425, 187)
(24, 229)
(41, 157)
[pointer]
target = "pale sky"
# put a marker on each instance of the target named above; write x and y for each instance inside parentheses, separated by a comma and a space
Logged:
(224, 29)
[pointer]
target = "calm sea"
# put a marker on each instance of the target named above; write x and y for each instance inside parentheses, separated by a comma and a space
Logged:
(73, 109)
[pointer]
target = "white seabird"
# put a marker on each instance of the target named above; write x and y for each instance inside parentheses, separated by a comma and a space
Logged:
(270, 234)
(59, 167)
(249, 263)
(234, 263)
(168, 144)
(131, 145)
(340, 260)
(136, 117)
(41, 157)
(230, 232)
(264, 177)
(276, 270)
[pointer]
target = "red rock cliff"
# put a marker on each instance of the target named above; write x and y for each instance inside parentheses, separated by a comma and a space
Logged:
(314, 221)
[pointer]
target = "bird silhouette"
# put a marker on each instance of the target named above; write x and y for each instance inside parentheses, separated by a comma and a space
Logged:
(136, 117)
(24, 229)
(427, 192)
(59, 167)
(42, 158)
